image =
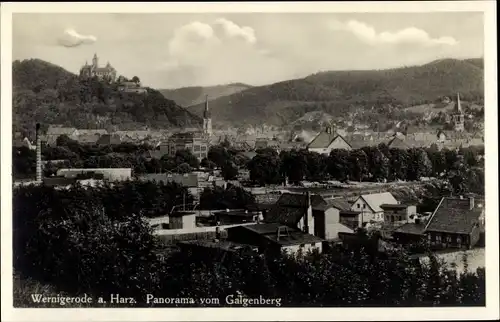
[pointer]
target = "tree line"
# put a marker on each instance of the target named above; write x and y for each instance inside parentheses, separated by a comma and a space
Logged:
(95, 241)
(371, 163)
(463, 167)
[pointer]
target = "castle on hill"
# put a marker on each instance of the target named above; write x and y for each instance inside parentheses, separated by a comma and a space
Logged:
(106, 72)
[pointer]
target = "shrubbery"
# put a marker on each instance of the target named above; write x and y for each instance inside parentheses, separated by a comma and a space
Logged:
(95, 240)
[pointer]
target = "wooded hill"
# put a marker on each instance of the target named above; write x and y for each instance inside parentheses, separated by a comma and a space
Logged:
(336, 92)
(49, 94)
(187, 96)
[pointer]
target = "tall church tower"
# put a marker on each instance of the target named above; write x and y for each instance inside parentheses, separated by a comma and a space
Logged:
(458, 116)
(95, 61)
(207, 120)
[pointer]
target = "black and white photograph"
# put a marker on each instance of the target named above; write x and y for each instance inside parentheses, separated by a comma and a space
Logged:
(218, 156)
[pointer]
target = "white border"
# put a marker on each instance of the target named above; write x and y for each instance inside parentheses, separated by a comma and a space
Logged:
(254, 314)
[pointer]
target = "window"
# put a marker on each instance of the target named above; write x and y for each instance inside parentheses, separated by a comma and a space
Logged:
(448, 239)
(312, 245)
(364, 206)
(429, 237)
(438, 238)
(359, 206)
(302, 245)
(459, 240)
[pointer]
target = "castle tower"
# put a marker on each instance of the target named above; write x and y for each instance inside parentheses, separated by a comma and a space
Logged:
(207, 120)
(95, 61)
(458, 116)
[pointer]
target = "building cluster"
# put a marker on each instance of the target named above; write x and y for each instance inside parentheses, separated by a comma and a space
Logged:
(109, 73)
(299, 222)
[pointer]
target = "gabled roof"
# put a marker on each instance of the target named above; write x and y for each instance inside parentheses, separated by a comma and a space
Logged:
(54, 130)
(397, 143)
(270, 232)
(290, 208)
(454, 215)
(340, 204)
(92, 132)
(410, 228)
(324, 139)
(375, 200)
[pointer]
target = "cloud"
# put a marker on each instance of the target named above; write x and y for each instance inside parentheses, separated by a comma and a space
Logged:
(409, 35)
(197, 42)
(233, 30)
(71, 38)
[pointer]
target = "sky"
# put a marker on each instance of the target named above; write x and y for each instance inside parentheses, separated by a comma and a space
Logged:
(178, 50)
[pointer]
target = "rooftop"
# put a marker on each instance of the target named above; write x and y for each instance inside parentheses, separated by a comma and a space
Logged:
(392, 206)
(294, 236)
(454, 215)
(290, 208)
(411, 228)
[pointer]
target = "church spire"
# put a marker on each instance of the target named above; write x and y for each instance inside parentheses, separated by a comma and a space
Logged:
(459, 106)
(206, 113)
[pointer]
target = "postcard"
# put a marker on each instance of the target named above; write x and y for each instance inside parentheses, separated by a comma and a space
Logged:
(227, 161)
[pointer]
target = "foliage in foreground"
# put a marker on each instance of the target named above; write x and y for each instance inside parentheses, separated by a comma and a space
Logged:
(80, 243)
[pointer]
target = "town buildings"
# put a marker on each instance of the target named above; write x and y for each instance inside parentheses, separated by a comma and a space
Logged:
(370, 205)
(275, 237)
(327, 141)
(197, 143)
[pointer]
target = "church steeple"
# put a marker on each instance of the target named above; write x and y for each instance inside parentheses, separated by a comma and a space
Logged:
(206, 112)
(207, 121)
(458, 117)
(95, 61)
(459, 106)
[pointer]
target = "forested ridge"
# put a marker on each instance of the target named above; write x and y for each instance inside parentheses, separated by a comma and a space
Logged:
(49, 94)
(337, 92)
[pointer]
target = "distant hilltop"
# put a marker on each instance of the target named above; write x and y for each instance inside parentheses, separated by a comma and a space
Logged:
(341, 92)
(49, 94)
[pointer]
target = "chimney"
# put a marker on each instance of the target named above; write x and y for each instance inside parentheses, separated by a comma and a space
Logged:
(306, 213)
(38, 154)
(471, 202)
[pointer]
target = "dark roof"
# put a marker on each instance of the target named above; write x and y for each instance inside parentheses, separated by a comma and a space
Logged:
(187, 180)
(324, 139)
(340, 204)
(349, 213)
(294, 236)
(222, 244)
(397, 143)
(290, 208)
(182, 213)
(391, 206)
(58, 181)
(454, 215)
(410, 228)
(242, 213)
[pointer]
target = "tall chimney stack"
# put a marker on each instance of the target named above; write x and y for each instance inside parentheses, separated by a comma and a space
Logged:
(307, 212)
(38, 154)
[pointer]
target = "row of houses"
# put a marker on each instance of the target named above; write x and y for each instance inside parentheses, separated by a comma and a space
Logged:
(305, 222)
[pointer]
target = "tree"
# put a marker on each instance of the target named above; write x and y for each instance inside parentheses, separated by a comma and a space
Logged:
(207, 164)
(184, 168)
(265, 168)
(230, 198)
(398, 164)
(185, 156)
(294, 165)
(219, 155)
(136, 80)
(359, 165)
(419, 164)
(229, 171)
(338, 164)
